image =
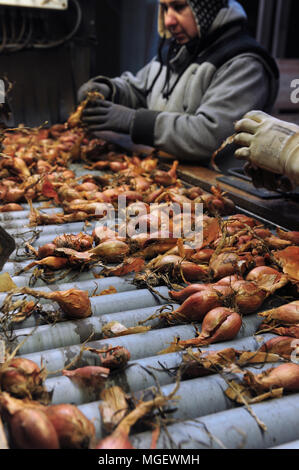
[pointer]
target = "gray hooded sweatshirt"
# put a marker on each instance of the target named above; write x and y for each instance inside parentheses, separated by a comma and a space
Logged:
(228, 77)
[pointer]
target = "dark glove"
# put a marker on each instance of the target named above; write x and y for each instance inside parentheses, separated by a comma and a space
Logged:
(107, 116)
(268, 180)
(92, 85)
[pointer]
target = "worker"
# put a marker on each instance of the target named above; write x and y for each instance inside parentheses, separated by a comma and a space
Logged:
(271, 148)
(207, 74)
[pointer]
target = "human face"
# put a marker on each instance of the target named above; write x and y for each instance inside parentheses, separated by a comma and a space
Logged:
(179, 20)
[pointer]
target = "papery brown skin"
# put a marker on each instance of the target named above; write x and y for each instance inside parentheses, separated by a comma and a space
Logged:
(46, 250)
(248, 297)
(291, 236)
(102, 234)
(183, 294)
(21, 377)
(166, 178)
(203, 256)
(292, 331)
(79, 242)
(277, 243)
(239, 221)
(75, 303)
(205, 363)
(14, 195)
(195, 307)
(113, 357)
(53, 262)
(287, 314)
(284, 346)
(285, 376)
(267, 278)
(73, 429)
(219, 324)
(10, 405)
(193, 192)
(225, 264)
(192, 271)
(31, 429)
(89, 375)
(88, 186)
(117, 440)
(11, 207)
(111, 250)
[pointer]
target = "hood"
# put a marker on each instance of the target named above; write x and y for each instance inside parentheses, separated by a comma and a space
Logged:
(209, 15)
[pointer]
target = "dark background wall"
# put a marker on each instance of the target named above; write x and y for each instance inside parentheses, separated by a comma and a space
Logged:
(114, 36)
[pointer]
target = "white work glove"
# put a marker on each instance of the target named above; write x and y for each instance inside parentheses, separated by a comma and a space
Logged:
(269, 143)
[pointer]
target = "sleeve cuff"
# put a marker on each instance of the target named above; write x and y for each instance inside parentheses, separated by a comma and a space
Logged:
(143, 127)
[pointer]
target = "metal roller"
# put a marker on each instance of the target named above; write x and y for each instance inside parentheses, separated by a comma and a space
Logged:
(140, 374)
(233, 429)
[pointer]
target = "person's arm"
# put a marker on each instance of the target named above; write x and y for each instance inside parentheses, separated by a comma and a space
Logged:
(128, 90)
(235, 88)
(116, 113)
(269, 144)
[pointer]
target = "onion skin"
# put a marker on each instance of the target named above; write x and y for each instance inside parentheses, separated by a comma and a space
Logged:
(219, 324)
(290, 236)
(21, 377)
(75, 303)
(31, 429)
(183, 294)
(203, 256)
(267, 278)
(79, 242)
(88, 186)
(111, 250)
(291, 331)
(53, 262)
(195, 307)
(285, 376)
(248, 297)
(283, 346)
(11, 207)
(287, 314)
(46, 250)
(238, 222)
(192, 271)
(117, 440)
(73, 429)
(14, 195)
(226, 264)
(94, 376)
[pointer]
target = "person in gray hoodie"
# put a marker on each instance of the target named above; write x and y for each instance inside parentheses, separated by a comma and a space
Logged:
(208, 73)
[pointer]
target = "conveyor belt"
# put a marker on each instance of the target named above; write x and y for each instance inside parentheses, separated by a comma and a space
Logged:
(204, 416)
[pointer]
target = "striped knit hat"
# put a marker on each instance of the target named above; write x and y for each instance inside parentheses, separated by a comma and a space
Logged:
(204, 11)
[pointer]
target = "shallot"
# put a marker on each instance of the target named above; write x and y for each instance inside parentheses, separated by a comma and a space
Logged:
(73, 429)
(287, 314)
(219, 324)
(285, 376)
(31, 429)
(75, 303)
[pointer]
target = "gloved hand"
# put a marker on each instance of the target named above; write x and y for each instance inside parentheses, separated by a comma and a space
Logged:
(268, 180)
(93, 85)
(106, 116)
(269, 143)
